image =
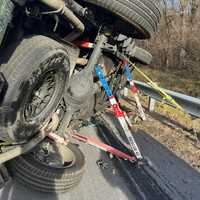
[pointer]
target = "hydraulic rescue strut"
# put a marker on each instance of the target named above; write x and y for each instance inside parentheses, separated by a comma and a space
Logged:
(134, 89)
(118, 112)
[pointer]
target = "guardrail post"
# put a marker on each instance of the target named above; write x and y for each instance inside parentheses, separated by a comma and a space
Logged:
(151, 106)
(190, 104)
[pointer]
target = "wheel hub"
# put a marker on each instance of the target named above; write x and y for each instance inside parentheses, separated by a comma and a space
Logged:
(54, 155)
(41, 95)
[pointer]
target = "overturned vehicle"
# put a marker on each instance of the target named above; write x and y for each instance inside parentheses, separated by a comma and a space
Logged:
(48, 53)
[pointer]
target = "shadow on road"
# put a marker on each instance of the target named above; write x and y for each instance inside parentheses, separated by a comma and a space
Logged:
(169, 177)
(15, 191)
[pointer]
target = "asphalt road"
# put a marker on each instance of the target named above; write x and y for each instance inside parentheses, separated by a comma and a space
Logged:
(170, 177)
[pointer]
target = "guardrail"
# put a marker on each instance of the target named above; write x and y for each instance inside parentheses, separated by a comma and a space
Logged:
(190, 104)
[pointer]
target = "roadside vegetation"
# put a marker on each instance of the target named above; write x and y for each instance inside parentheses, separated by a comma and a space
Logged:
(176, 48)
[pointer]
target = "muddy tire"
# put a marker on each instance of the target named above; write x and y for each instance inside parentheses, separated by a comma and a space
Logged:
(37, 74)
(30, 172)
(142, 15)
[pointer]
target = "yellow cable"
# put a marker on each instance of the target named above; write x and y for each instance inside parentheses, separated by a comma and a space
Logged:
(157, 88)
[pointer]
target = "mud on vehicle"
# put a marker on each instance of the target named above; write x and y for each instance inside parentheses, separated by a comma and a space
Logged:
(48, 52)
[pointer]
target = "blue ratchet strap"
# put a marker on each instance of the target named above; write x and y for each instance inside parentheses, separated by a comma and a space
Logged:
(102, 78)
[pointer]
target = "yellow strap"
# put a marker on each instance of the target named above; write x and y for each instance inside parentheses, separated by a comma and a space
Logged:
(157, 88)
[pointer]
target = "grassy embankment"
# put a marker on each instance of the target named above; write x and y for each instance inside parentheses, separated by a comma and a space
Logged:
(180, 81)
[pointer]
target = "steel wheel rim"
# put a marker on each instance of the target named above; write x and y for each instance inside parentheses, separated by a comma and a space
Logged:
(58, 156)
(41, 95)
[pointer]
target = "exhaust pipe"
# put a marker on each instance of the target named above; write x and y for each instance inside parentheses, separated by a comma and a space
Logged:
(70, 17)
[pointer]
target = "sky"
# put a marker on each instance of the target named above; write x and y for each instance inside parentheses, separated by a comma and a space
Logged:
(172, 3)
(175, 4)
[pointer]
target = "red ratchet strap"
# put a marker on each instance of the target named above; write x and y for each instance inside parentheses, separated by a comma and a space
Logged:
(94, 142)
(97, 143)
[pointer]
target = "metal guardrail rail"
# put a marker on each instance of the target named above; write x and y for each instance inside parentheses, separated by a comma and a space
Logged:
(190, 104)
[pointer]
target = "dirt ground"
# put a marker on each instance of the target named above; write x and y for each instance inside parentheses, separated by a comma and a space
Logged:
(178, 133)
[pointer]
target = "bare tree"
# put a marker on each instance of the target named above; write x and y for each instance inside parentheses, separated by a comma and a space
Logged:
(177, 44)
